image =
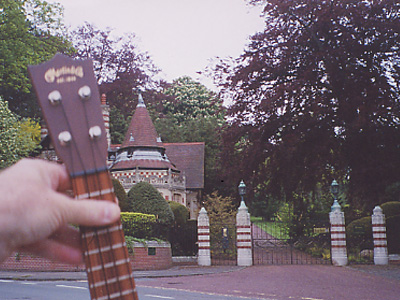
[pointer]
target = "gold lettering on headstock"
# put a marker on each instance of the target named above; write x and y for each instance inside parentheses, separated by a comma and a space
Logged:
(63, 74)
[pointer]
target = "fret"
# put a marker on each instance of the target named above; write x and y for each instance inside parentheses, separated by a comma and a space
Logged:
(108, 265)
(94, 194)
(104, 249)
(102, 231)
(117, 294)
(110, 281)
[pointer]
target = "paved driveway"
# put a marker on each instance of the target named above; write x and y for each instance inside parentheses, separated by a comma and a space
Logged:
(290, 282)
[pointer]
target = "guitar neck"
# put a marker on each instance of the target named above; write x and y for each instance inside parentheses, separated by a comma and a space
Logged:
(106, 257)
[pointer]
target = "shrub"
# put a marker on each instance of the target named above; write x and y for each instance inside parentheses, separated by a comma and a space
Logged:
(359, 234)
(139, 225)
(391, 208)
(144, 198)
(181, 213)
(120, 194)
(393, 234)
(183, 239)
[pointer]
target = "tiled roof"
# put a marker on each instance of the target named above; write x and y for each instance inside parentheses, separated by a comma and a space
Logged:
(141, 131)
(142, 164)
(189, 159)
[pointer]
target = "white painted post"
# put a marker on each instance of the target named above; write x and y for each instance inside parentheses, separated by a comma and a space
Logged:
(203, 238)
(243, 237)
(381, 256)
(338, 235)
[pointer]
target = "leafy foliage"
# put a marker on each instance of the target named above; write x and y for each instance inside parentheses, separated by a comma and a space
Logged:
(192, 113)
(138, 225)
(315, 96)
(31, 33)
(144, 198)
(220, 209)
(181, 213)
(120, 67)
(17, 138)
(121, 195)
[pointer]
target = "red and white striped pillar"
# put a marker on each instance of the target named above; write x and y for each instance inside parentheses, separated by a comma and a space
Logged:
(106, 116)
(381, 256)
(243, 237)
(203, 238)
(338, 235)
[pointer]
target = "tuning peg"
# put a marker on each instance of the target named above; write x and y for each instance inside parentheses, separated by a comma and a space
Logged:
(54, 97)
(84, 92)
(65, 138)
(94, 132)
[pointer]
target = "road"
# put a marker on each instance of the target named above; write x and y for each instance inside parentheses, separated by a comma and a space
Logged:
(67, 290)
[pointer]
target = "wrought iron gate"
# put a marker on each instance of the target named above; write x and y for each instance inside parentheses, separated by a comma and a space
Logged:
(272, 245)
(223, 243)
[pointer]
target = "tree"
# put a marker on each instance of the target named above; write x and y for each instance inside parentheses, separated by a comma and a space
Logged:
(192, 113)
(17, 139)
(316, 95)
(30, 34)
(120, 67)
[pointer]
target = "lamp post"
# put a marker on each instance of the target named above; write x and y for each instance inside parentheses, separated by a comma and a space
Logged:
(242, 192)
(335, 193)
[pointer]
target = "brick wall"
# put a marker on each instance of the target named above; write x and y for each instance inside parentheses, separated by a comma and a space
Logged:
(152, 256)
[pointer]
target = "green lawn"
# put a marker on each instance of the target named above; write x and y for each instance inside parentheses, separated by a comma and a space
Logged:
(276, 229)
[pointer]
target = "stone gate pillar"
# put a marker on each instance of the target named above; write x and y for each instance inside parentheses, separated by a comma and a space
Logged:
(379, 233)
(338, 235)
(243, 237)
(203, 238)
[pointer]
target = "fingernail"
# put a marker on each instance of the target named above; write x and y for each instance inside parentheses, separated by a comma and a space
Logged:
(111, 213)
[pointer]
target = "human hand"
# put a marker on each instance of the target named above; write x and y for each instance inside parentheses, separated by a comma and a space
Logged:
(35, 213)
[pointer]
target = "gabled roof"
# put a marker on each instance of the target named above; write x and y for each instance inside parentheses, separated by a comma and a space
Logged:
(141, 131)
(189, 159)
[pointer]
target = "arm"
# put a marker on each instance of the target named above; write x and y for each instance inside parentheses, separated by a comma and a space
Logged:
(35, 213)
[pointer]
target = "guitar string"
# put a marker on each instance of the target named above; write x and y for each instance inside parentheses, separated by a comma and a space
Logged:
(88, 260)
(95, 231)
(126, 257)
(99, 183)
(121, 237)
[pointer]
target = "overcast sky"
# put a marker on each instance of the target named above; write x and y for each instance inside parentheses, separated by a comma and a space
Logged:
(180, 35)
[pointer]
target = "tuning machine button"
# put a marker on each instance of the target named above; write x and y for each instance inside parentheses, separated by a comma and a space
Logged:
(55, 97)
(65, 138)
(95, 132)
(85, 92)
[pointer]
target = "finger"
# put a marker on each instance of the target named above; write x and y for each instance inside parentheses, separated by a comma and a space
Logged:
(54, 251)
(89, 212)
(67, 235)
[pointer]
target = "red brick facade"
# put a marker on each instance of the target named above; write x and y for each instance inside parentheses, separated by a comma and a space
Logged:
(141, 260)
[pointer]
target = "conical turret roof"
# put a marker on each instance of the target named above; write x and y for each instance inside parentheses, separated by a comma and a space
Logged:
(141, 131)
(142, 148)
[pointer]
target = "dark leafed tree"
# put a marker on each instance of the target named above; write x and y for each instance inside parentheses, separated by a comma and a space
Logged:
(121, 68)
(316, 95)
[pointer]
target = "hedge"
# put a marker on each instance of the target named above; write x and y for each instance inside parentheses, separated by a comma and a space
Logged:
(359, 234)
(391, 208)
(393, 234)
(138, 225)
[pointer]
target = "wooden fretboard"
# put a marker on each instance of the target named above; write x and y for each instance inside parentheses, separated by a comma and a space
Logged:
(106, 257)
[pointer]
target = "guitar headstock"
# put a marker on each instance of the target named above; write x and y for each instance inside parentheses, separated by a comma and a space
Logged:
(68, 94)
